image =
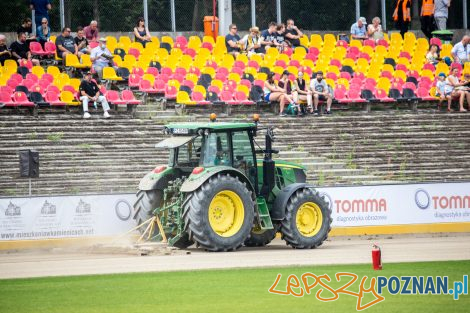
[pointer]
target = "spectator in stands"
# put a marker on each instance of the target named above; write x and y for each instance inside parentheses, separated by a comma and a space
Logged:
(272, 92)
(444, 91)
(280, 40)
(374, 30)
(303, 92)
(141, 32)
(65, 44)
(427, 18)
(89, 91)
(459, 89)
(359, 29)
(289, 89)
(293, 34)
(101, 57)
(27, 28)
(20, 50)
(5, 54)
(81, 42)
(441, 13)
(91, 31)
(432, 56)
(321, 92)
(402, 15)
(41, 10)
(461, 50)
(252, 42)
(233, 41)
(43, 32)
(268, 37)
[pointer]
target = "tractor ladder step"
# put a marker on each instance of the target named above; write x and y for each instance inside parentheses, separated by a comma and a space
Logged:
(263, 212)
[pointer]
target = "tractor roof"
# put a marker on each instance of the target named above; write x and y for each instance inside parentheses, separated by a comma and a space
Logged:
(193, 127)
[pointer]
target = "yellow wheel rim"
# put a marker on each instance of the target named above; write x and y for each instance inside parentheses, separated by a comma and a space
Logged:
(226, 213)
(309, 219)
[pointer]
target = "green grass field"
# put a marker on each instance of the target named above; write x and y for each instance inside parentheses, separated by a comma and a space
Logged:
(235, 290)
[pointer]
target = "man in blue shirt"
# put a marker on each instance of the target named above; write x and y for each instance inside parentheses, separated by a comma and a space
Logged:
(232, 41)
(359, 29)
(41, 8)
(268, 37)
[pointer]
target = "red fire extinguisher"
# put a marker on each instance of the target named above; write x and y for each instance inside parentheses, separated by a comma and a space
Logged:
(376, 257)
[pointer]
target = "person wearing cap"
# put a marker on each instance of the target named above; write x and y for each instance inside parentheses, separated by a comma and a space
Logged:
(65, 44)
(444, 91)
(90, 92)
(101, 57)
(321, 92)
(289, 88)
(359, 30)
(273, 93)
(374, 30)
(252, 42)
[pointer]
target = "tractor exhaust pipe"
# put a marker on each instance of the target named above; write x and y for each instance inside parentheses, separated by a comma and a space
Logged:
(269, 166)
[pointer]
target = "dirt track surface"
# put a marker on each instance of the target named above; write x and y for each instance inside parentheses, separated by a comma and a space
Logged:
(125, 258)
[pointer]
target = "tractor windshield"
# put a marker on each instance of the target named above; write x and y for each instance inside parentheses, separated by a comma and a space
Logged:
(216, 150)
(186, 155)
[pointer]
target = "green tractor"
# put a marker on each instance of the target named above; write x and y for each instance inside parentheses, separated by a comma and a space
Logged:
(216, 193)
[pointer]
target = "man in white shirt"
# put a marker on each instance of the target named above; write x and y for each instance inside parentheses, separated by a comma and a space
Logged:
(101, 57)
(461, 51)
(320, 91)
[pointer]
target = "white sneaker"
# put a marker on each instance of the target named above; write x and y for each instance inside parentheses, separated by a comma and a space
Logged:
(106, 114)
(86, 115)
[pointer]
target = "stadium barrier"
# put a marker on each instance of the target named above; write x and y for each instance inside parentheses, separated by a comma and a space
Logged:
(361, 210)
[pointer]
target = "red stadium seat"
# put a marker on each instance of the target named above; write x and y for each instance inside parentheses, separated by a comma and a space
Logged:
(128, 96)
(134, 81)
(21, 99)
(199, 98)
(53, 99)
(170, 92)
(423, 93)
(146, 87)
(6, 100)
(159, 85)
(36, 49)
(113, 97)
(241, 98)
(382, 96)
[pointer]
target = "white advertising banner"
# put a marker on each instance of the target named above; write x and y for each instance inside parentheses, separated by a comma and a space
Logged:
(110, 215)
(399, 204)
(65, 216)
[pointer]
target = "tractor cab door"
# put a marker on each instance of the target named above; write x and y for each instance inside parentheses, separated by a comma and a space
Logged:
(243, 155)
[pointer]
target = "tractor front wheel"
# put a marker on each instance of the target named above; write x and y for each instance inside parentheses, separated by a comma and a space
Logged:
(308, 220)
(219, 214)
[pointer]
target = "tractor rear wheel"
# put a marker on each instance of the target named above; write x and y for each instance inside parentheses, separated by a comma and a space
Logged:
(147, 201)
(308, 220)
(260, 237)
(219, 214)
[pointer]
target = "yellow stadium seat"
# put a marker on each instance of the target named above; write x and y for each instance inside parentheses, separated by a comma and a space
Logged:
(243, 89)
(235, 77)
(38, 71)
(201, 89)
(242, 57)
(125, 40)
(400, 74)
(155, 40)
(111, 40)
(261, 76)
(329, 39)
(208, 39)
(333, 69)
(446, 50)
(110, 74)
(250, 70)
(228, 61)
(10, 66)
(442, 67)
(192, 77)
(182, 97)
(396, 37)
(330, 82)
(369, 50)
(272, 51)
(208, 70)
(383, 83)
(300, 51)
(422, 42)
(304, 41)
(218, 83)
(343, 81)
(71, 60)
(149, 77)
(117, 60)
(86, 60)
(53, 70)
(307, 63)
(349, 62)
(75, 83)
(316, 41)
(168, 40)
(194, 42)
(356, 43)
(175, 83)
(283, 57)
(380, 50)
(388, 67)
(176, 52)
(278, 69)
(68, 98)
(137, 45)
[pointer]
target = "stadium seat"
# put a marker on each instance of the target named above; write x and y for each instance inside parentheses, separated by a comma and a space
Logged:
(6, 100)
(170, 92)
(21, 99)
(68, 98)
(381, 94)
(128, 97)
(113, 97)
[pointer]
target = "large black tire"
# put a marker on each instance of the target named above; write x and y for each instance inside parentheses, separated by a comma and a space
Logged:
(260, 238)
(289, 226)
(196, 214)
(147, 201)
